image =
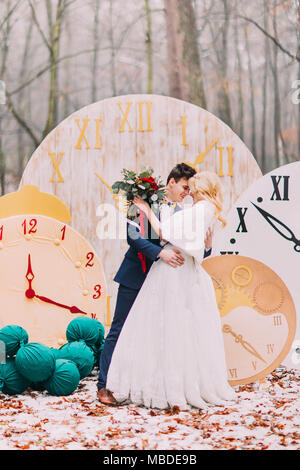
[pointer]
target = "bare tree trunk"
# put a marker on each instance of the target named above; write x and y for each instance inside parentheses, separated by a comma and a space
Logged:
(240, 123)
(54, 56)
(149, 48)
(49, 15)
(263, 163)
(252, 99)
(20, 133)
(4, 44)
(279, 144)
(223, 92)
(298, 53)
(113, 51)
(184, 67)
(66, 109)
(276, 108)
(96, 51)
(175, 75)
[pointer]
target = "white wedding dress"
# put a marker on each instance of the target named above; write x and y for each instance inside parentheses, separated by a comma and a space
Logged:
(170, 351)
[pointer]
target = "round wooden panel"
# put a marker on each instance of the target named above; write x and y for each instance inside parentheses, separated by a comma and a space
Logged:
(80, 159)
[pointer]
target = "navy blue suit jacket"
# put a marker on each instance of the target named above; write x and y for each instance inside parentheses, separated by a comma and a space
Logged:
(130, 273)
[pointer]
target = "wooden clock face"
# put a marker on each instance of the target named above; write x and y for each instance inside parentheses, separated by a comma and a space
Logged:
(49, 274)
(258, 316)
(264, 224)
(84, 156)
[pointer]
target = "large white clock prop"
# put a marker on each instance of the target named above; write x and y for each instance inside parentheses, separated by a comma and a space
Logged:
(264, 224)
(80, 159)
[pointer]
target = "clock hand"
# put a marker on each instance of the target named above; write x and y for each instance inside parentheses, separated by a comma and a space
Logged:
(72, 309)
(30, 293)
(245, 344)
(29, 276)
(116, 197)
(276, 223)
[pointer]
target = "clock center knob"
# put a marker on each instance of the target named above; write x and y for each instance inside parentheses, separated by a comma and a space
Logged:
(30, 293)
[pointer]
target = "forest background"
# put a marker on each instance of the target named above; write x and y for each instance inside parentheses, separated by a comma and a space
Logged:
(238, 59)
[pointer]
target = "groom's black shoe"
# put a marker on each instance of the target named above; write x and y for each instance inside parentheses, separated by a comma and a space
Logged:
(106, 397)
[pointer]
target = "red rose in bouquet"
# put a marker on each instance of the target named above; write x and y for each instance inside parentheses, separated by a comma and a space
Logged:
(152, 183)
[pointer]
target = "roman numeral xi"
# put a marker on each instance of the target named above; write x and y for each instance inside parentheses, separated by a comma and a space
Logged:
(281, 188)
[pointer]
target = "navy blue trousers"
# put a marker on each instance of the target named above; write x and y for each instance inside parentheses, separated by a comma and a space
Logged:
(126, 297)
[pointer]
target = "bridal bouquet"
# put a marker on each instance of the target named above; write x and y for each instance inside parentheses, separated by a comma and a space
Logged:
(140, 184)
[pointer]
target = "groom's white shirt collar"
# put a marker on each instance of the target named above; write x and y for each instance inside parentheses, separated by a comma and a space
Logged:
(173, 204)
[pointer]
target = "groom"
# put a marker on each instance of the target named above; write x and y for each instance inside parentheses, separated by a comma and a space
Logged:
(131, 274)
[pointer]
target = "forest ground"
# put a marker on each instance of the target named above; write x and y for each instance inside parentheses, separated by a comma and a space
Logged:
(265, 417)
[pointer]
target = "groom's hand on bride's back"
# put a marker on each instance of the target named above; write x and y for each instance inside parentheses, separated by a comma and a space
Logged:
(171, 257)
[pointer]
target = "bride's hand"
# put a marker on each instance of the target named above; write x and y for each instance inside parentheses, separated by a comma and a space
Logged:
(141, 204)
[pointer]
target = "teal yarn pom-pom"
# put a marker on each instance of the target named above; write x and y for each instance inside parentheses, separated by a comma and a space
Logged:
(11, 381)
(88, 329)
(65, 378)
(79, 353)
(35, 362)
(55, 353)
(13, 336)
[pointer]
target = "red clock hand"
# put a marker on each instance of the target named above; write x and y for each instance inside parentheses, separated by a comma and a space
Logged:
(29, 276)
(30, 293)
(73, 309)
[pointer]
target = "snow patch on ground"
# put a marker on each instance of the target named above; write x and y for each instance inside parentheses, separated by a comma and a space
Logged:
(266, 416)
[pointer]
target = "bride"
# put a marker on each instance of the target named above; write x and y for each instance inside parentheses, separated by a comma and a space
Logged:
(170, 351)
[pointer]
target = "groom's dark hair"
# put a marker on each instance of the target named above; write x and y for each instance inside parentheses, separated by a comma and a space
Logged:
(182, 170)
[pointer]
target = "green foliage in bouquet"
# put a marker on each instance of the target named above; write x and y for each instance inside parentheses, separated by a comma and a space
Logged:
(140, 184)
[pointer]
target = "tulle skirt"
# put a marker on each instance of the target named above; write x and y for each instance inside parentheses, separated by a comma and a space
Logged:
(170, 351)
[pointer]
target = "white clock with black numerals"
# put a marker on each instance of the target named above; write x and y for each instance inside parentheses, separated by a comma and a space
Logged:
(264, 224)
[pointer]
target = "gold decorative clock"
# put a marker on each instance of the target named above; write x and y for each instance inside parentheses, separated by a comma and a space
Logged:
(258, 316)
(49, 273)
(80, 159)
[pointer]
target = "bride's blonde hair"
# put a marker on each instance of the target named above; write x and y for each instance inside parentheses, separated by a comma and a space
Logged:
(207, 184)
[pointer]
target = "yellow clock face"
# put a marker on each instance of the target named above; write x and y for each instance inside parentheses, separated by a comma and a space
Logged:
(49, 274)
(258, 316)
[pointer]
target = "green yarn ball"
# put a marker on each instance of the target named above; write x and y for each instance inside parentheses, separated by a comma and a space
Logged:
(81, 354)
(65, 379)
(11, 381)
(55, 353)
(14, 337)
(88, 329)
(35, 362)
